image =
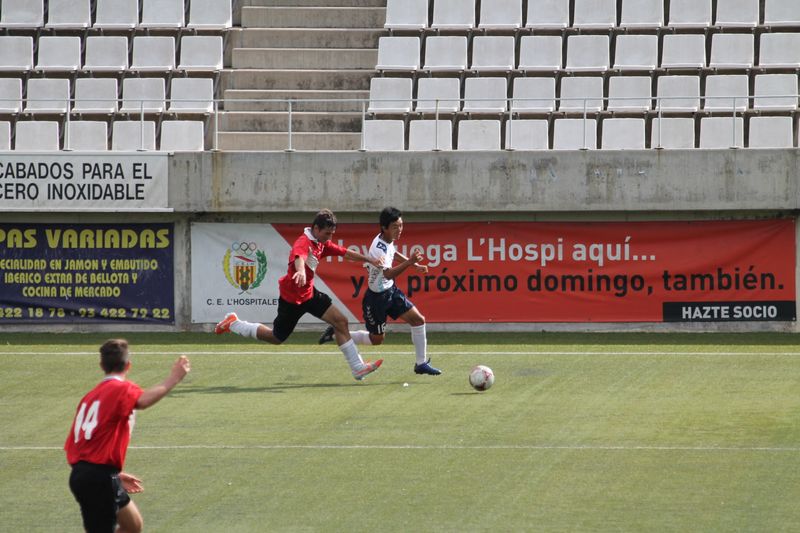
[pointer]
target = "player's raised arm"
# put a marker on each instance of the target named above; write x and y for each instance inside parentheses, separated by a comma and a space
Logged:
(405, 262)
(180, 368)
(350, 255)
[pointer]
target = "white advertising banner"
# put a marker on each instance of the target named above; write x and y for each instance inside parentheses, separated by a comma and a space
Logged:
(236, 267)
(84, 181)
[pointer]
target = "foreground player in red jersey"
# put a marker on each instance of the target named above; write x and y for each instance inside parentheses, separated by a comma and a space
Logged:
(298, 295)
(98, 441)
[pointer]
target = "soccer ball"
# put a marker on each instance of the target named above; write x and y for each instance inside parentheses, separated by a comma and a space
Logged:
(481, 377)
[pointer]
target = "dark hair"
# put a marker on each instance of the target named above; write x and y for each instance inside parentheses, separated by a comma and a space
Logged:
(114, 355)
(389, 215)
(325, 219)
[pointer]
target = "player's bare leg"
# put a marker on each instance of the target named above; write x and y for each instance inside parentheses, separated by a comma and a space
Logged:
(129, 519)
(420, 339)
(231, 323)
(341, 334)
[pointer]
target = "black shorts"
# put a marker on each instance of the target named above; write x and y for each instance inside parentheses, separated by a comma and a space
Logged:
(99, 491)
(378, 305)
(289, 314)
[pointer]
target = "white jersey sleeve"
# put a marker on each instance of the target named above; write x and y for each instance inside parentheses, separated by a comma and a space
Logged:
(384, 252)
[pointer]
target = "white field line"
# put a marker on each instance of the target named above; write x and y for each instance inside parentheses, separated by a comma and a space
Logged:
(410, 350)
(522, 447)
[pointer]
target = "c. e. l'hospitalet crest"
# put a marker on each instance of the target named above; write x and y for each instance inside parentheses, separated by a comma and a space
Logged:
(245, 266)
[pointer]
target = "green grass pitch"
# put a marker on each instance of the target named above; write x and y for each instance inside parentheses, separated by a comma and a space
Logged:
(604, 432)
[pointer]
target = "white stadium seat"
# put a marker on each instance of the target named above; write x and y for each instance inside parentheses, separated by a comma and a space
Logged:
(771, 132)
(446, 53)
(16, 53)
(672, 133)
(781, 13)
(683, 51)
(201, 53)
(106, 54)
(578, 92)
(737, 13)
(406, 14)
(453, 14)
(623, 134)
(547, 14)
(390, 95)
(534, 95)
(117, 14)
(5, 136)
(720, 90)
(527, 134)
(21, 14)
(423, 135)
(36, 136)
(501, 14)
(145, 95)
(718, 132)
(162, 14)
(59, 54)
(384, 135)
(770, 87)
(182, 136)
(133, 135)
(629, 93)
(636, 52)
(153, 54)
(690, 13)
(398, 53)
(210, 14)
(642, 14)
(47, 95)
(540, 53)
(573, 134)
(10, 95)
(446, 90)
(479, 135)
(86, 136)
(731, 50)
(69, 14)
(780, 50)
(681, 94)
(595, 14)
(587, 53)
(493, 53)
(191, 95)
(485, 95)
(96, 96)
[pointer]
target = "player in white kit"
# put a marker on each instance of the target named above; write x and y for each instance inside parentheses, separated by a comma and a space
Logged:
(383, 298)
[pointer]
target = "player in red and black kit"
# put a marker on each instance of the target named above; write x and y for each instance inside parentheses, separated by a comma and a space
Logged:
(298, 295)
(98, 441)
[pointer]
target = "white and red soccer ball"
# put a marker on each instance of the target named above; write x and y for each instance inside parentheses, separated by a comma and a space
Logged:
(481, 377)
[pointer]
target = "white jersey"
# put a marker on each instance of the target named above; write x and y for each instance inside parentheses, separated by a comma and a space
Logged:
(384, 252)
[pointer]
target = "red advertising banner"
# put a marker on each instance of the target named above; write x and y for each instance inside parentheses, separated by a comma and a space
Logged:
(584, 271)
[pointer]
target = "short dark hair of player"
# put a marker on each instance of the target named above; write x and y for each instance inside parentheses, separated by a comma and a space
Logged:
(325, 219)
(389, 215)
(114, 355)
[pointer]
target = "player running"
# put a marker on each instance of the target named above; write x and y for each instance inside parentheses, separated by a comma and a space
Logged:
(298, 296)
(383, 298)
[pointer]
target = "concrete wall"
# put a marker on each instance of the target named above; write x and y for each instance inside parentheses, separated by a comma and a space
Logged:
(586, 186)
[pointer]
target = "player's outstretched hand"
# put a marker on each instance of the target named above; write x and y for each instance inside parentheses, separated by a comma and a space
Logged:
(131, 483)
(299, 278)
(181, 367)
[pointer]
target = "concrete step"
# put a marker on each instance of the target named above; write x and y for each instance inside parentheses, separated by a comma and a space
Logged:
(313, 17)
(261, 141)
(305, 58)
(299, 98)
(323, 80)
(304, 38)
(275, 121)
(314, 3)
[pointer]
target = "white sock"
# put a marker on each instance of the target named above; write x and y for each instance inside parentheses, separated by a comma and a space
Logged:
(420, 340)
(245, 329)
(352, 356)
(361, 337)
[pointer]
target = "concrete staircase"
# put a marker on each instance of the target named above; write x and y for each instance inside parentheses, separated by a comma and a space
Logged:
(299, 50)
